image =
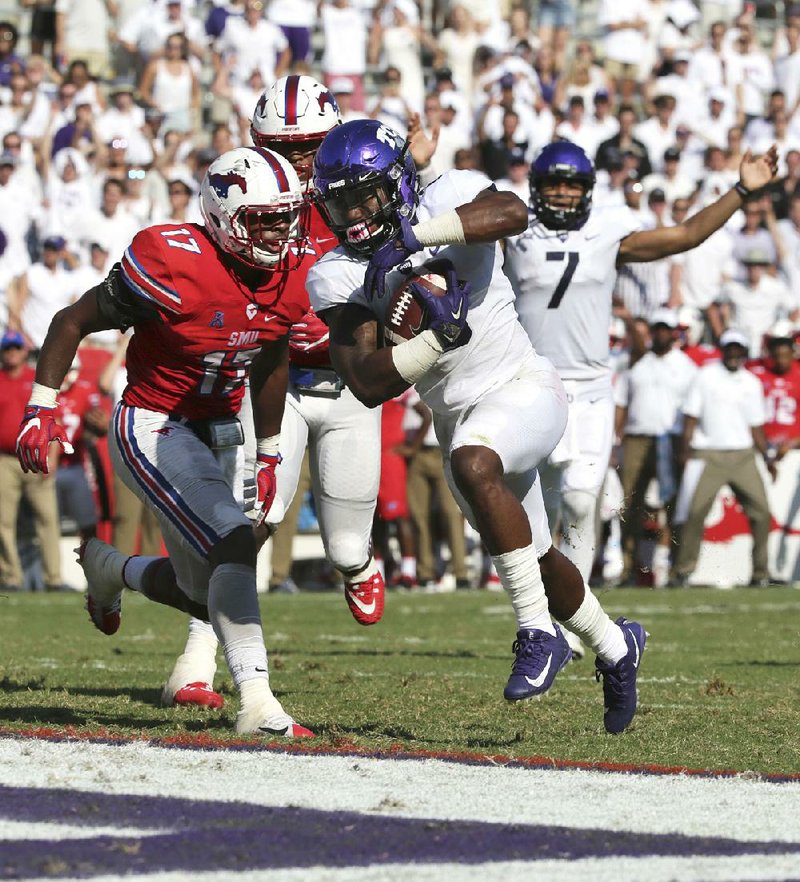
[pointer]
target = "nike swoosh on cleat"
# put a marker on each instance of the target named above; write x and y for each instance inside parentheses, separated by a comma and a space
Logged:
(367, 608)
(262, 670)
(457, 315)
(636, 644)
(538, 681)
(282, 731)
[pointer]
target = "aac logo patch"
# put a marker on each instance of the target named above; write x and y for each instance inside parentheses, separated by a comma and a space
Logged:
(218, 321)
(251, 309)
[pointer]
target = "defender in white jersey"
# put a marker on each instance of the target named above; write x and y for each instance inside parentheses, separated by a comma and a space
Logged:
(563, 268)
(499, 408)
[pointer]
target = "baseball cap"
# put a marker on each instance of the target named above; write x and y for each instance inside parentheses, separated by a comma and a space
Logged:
(517, 157)
(756, 257)
(56, 243)
(682, 55)
(448, 100)
(341, 85)
(657, 195)
(506, 81)
(601, 95)
(783, 329)
(12, 338)
(664, 316)
(101, 243)
(180, 177)
(734, 337)
(8, 159)
(718, 94)
(121, 85)
(443, 74)
(672, 153)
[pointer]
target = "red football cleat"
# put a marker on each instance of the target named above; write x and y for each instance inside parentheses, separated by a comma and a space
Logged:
(198, 695)
(365, 599)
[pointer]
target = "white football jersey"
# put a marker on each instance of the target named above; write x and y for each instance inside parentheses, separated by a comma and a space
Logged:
(498, 345)
(563, 281)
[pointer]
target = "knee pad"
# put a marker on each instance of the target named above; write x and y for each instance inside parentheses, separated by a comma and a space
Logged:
(348, 552)
(579, 507)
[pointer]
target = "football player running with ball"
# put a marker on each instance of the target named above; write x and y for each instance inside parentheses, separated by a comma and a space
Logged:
(209, 305)
(563, 268)
(499, 408)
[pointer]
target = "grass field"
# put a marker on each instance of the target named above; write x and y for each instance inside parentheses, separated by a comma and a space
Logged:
(719, 685)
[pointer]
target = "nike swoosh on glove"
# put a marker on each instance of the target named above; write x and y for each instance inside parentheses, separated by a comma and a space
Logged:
(266, 484)
(37, 429)
(388, 256)
(447, 315)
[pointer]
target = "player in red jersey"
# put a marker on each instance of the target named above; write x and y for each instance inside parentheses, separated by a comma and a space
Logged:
(780, 378)
(209, 305)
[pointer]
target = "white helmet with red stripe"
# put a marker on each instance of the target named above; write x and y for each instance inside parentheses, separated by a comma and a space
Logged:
(294, 111)
(252, 203)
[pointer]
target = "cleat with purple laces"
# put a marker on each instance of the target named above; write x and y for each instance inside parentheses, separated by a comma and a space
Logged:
(539, 657)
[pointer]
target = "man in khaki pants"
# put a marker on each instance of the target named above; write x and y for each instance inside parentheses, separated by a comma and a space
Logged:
(16, 379)
(426, 481)
(724, 419)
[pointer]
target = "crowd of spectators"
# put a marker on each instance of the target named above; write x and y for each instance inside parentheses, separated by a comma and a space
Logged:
(111, 111)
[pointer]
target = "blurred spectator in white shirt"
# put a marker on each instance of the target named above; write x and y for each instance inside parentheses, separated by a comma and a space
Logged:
(674, 184)
(252, 41)
(609, 188)
(17, 214)
(624, 26)
(144, 33)
(750, 72)
(658, 132)
(69, 197)
(517, 179)
(112, 222)
(457, 44)
(575, 126)
(390, 106)
(789, 232)
(342, 89)
(296, 18)
(345, 40)
(756, 303)
(754, 235)
(707, 64)
(82, 29)
(398, 42)
(124, 118)
(787, 70)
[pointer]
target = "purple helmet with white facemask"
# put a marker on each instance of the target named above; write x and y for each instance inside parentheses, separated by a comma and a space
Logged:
(562, 161)
(365, 164)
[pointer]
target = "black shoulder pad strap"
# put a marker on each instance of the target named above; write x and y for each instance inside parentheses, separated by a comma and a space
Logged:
(119, 305)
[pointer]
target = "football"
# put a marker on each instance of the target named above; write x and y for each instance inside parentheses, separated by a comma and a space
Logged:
(405, 312)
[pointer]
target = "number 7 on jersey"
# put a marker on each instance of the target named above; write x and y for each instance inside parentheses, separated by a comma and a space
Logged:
(569, 271)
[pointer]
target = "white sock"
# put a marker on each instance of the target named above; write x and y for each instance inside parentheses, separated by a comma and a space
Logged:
(233, 607)
(257, 694)
(381, 568)
(593, 626)
(519, 572)
(198, 663)
(133, 570)
(408, 567)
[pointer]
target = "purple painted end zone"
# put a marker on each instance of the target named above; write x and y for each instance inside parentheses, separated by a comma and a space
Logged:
(195, 835)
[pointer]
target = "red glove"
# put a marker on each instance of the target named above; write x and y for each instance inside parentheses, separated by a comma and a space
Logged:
(37, 429)
(309, 334)
(266, 484)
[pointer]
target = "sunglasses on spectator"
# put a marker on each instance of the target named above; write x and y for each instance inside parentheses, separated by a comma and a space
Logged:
(6, 35)
(136, 174)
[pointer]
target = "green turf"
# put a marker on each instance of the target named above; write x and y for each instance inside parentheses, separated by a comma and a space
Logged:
(719, 684)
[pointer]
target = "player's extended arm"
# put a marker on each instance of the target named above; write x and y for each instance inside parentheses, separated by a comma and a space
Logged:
(492, 215)
(269, 378)
(646, 245)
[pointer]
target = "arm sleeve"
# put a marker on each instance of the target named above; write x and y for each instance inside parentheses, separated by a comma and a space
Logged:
(120, 305)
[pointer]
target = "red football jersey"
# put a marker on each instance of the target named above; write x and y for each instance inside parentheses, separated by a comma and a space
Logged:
(309, 341)
(194, 362)
(74, 402)
(782, 400)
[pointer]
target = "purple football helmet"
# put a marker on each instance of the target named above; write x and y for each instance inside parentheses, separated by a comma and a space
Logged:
(365, 164)
(562, 161)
